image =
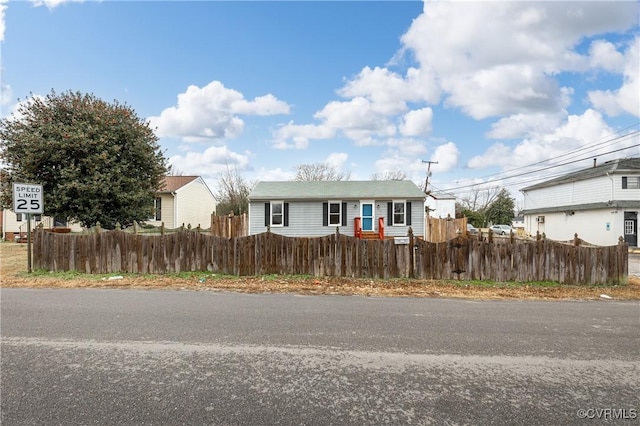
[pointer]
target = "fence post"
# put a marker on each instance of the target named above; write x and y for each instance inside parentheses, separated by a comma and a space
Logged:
(162, 228)
(576, 240)
(411, 253)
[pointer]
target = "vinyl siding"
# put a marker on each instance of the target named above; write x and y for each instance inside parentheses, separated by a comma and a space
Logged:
(590, 225)
(195, 205)
(167, 213)
(595, 190)
(306, 219)
(11, 225)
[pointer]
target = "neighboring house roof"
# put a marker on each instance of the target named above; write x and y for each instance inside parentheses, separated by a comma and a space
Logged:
(620, 165)
(442, 196)
(173, 183)
(348, 189)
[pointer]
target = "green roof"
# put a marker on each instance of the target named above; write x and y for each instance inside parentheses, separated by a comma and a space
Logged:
(347, 189)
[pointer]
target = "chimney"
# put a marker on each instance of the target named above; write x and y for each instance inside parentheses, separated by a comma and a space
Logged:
(594, 162)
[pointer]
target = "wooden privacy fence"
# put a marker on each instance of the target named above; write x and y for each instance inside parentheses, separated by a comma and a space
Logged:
(230, 226)
(440, 230)
(496, 259)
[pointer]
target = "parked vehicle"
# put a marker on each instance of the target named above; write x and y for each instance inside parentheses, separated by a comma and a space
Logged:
(472, 229)
(500, 229)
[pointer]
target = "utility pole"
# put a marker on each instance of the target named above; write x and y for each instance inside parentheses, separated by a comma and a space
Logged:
(426, 183)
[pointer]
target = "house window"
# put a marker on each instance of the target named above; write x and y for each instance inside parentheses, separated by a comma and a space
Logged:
(335, 213)
(277, 213)
(18, 217)
(630, 182)
(157, 209)
(398, 212)
(37, 217)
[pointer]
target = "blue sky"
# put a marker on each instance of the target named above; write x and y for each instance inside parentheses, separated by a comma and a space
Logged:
(486, 89)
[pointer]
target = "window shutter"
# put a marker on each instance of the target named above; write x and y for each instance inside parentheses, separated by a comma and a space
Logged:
(158, 208)
(344, 214)
(325, 214)
(267, 212)
(408, 212)
(286, 214)
(624, 182)
(390, 214)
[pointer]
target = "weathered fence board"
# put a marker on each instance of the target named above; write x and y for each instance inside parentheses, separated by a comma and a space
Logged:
(463, 257)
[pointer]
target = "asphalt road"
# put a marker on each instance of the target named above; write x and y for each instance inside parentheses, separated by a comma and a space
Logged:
(163, 357)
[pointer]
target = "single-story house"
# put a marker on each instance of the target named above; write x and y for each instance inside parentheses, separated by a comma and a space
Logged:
(183, 200)
(600, 203)
(318, 208)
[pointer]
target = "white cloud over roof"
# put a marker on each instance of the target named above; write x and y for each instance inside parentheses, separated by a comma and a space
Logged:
(212, 112)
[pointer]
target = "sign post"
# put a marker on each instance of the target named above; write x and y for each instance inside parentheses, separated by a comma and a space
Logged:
(27, 200)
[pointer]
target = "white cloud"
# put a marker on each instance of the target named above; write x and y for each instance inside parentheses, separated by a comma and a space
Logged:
(300, 134)
(6, 94)
(273, 174)
(586, 135)
(501, 90)
(51, 4)
(416, 122)
(375, 99)
(499, 58)
(210, 162)
(3, 8)
(603, 54)
(211, 112)
(337, 160)
(627, 98)
(357, 119)
(447, 156)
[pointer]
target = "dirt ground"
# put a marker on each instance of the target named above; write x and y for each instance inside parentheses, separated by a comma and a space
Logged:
(13, 273)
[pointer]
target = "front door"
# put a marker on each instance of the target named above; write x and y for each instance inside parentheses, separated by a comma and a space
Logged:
(367, 216)
(631, 228)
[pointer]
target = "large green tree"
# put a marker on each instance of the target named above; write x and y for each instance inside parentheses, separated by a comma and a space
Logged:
(501, 210)
(97, 161)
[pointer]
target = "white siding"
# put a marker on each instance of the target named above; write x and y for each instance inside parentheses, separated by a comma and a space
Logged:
(591, 226)
(441, 208)
(305, 219)
(194, 205)
(595, 190)
(11, 225)
(167, 213)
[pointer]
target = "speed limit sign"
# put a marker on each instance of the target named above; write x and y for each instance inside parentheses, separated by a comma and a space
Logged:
(27, 198)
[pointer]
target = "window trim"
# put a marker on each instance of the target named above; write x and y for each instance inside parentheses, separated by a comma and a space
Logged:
(634, 180)
(404, 212)
(329, 214)
(271, 213)
(157, 211)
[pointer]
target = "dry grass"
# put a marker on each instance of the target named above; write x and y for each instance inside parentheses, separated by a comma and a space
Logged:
(13, 267)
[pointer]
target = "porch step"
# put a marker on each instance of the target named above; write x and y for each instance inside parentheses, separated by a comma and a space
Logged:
(370, 235)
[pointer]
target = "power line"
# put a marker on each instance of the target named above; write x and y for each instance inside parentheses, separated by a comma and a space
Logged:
(497, 175)
(588, 148)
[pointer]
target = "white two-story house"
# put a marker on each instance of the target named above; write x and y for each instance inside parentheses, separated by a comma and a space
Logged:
(600, 203)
